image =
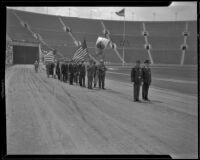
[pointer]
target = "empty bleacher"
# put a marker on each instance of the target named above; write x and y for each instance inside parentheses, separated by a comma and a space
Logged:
(166, 56)
(114, 27)
(166, 42)
(83, 25)
(131, 55)
(134, 42)
(165, 38)
(191, 57)
(40, 21)
(55, 37)
(16, 31)
(166, 29)
(133, 28)
(192, 28)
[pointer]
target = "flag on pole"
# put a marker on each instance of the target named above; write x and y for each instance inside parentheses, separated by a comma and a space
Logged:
(121, 13)
(80, 53)
(49, 57)
(102, 43)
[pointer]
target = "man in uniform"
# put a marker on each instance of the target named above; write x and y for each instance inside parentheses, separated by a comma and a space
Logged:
(71, 72)
(146, 76)
(102, 73)
(82, 74)
(95, 74)
(90, 74)
(136, 78)
(58, 70)
(63, 71)
(74, 69)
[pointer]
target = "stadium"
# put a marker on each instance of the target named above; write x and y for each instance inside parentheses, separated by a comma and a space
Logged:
(46, 116)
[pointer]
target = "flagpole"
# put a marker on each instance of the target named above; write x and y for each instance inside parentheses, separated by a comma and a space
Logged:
(123, 39)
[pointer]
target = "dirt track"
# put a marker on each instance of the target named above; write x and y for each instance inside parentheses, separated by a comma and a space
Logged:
(45, 116)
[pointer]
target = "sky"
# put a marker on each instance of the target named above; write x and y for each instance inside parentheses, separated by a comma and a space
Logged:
(176, 11)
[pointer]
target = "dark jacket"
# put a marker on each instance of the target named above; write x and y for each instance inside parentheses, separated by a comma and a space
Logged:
(102, 69)
(82, 70)
(66, 68)
(146, 75)
(90, 70)
(63, 68)
(71, 68)
(58, 68)
(136, 75)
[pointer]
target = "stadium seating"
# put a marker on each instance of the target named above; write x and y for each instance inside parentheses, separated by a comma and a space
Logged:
(55, 37)
(190, 57)
(40, 21)
(166, 56)
(12, 20)
(114, 27)
(165, 28)
(16, 31)
(83, 25)
(129, 42)
(165, 38)
(131, 55)
(166, 42)
(66, 51)
(192, 28)
(133, 28)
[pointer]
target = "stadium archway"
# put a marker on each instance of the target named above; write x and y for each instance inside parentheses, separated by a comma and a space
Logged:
(25, 53)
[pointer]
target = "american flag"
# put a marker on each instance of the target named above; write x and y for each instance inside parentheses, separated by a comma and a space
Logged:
(80, 53)
(49, 57)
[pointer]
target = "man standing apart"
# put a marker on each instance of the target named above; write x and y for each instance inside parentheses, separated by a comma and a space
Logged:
(146, 76)
(136, 78)
(102, 73)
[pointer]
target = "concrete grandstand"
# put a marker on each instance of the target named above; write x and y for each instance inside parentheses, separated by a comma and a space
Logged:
(65, 33)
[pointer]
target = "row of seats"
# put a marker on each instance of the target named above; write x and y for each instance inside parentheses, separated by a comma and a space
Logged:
(165, 37)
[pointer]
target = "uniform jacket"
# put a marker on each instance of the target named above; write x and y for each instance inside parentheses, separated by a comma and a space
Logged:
(90, 70)
(136, 75)
(82, 70)
(63, 68)
(146, 75)
(102, 69)
(71, 68)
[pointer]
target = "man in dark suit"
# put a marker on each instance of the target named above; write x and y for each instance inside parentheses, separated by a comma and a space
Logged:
(82, 72)
(71, 72)
(136, 78)
(101, 74)
(146, 76)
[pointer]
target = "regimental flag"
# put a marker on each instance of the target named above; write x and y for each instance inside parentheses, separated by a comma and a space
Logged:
(49, 57)
(121, 12)
(80, 53)
(102, 43)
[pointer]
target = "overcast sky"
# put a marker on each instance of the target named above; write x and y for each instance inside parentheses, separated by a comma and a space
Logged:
(177, 11)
